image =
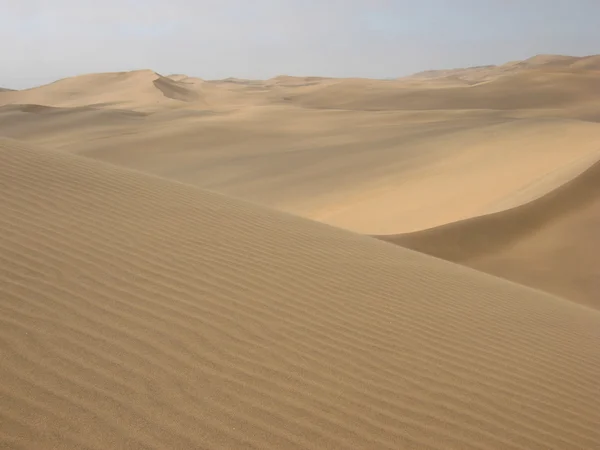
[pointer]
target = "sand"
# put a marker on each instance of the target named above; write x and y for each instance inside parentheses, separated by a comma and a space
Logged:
(551, 243)
(140, 90)
(186, 263)
(372, 156)
(143, 313)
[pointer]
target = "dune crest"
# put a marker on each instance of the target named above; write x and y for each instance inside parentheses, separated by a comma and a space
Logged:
(139, 312)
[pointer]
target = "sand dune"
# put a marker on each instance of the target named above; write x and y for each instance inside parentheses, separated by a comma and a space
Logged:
(141, 90)
(290, 81)
(462, 73)
(491, 72)
(372, 156)
(524, 89)
(358, 170)
(551, 60)
(142, 313)
(551, 243)
(473, 172)
(588, 63)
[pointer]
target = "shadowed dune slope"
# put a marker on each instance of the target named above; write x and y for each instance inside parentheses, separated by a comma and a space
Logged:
(142, 313)
(176, 90)
(552, 243)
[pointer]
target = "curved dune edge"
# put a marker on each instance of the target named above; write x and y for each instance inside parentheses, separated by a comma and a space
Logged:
(142, 313)
(550, 243)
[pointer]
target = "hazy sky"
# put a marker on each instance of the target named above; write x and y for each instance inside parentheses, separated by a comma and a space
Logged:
(43, 40)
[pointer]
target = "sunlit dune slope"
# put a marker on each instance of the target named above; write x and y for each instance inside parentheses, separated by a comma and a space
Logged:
(142, 313)
(552, 243)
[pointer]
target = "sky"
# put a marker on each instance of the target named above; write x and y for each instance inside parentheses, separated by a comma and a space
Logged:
(44, 40)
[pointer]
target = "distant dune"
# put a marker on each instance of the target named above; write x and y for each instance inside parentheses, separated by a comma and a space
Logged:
(143, 313)
(588, 63)
(552, 243)
(142, 89)
(489, 72)
(539, 87)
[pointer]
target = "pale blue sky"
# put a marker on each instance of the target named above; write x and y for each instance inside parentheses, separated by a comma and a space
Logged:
(43, 40)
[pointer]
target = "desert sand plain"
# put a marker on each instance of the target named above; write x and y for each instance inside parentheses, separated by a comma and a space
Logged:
(303, 262)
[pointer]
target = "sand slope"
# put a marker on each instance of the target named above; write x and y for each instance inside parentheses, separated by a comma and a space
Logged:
(141, 313)
(552, 243)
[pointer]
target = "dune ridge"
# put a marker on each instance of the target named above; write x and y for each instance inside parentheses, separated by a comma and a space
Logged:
(550, 243)
(143, 313)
